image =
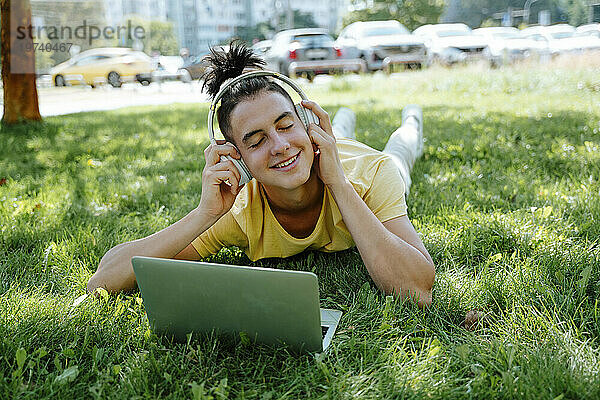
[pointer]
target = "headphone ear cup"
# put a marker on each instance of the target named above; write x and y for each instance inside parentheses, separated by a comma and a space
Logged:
(245, 175)
(301, 111)
(306, 115)
(311, 117)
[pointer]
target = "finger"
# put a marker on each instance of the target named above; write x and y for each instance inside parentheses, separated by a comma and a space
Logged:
(228, 178)
(324, 120)
(230, 166)
(322, 132)
(215, 151)
(226, 165)
(319, 137)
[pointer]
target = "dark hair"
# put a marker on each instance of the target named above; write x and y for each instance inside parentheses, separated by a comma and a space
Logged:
(226, 65)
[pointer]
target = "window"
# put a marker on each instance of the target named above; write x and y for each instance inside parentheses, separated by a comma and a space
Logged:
(90, 60)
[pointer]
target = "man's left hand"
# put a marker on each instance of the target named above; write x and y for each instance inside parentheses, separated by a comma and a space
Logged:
(327, 160)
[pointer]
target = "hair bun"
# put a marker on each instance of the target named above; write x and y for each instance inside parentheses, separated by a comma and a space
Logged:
(224, 65)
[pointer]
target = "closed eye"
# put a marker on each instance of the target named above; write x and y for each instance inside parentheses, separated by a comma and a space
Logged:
(285, 128)
(257, 143)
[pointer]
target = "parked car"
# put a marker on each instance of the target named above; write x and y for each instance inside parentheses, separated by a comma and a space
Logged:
(261, 48)
(506, 45)
(96, 66)
(588, 30)
(194, 67)
(561, 38)
(169, 68)
(451, 43)
(374, 41)
(300, 45)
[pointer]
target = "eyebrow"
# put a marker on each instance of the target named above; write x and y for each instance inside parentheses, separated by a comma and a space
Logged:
(252, 133)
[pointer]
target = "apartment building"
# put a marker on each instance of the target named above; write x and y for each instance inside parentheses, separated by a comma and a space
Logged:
(117, 11)
(199, 24)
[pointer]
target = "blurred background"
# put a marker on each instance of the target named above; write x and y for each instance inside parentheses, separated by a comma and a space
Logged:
(300, 39)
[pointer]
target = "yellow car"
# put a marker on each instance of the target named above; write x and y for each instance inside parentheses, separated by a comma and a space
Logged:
(96, 66)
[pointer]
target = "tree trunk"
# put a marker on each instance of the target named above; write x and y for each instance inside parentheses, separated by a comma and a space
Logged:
(18, 64)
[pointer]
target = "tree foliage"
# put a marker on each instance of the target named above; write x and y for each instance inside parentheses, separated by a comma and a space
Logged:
(250, 34)
(67, 14)
(158, 36)
(265, 30)
(301, 20)
(162, 38)
(411, 13)
(476, 12)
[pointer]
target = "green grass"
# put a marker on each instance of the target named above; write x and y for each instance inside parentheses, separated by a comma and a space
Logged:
(506, 197)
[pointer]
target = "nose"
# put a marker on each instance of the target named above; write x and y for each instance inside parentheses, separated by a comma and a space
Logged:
(279, 144)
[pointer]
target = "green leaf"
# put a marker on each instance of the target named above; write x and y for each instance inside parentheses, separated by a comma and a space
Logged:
(434, 351)
(385, 326)
(68, 375)
(310, 259)
(97, 354)
(434, 348)
(496, 257)
(585, 277)
(245, 339)
(20, 356)
(57, 363)
(222, 390)
(199, 393)
(69, 352)
(42, 352)
(463, 351)
(546, 211)
(387, 308)
(102, 293)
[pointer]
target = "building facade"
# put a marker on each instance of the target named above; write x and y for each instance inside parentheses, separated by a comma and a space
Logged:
(117, 11)
(200, 24)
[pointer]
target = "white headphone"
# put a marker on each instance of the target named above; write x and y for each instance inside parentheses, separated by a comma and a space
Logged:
(306, 115)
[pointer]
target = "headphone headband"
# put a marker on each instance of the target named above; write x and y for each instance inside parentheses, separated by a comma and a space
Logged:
(252, 74)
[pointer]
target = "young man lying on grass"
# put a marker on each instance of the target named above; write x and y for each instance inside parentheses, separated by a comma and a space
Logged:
(310, 190)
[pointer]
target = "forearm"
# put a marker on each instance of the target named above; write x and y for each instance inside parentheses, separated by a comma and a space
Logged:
(115, 272)
(395, 266)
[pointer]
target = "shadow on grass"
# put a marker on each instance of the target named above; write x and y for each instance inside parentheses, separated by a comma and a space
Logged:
(471, 160)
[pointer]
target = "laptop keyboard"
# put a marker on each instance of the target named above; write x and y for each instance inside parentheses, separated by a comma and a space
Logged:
(324, 330)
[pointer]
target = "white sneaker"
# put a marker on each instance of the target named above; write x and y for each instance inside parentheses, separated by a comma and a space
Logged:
(344, 123)
(413, 113)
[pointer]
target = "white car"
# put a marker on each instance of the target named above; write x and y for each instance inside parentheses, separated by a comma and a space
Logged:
(170, 68)
(260, 48)
(588, 30)
(451, 43)
(561, 38)
(374, 41)
(506, 45)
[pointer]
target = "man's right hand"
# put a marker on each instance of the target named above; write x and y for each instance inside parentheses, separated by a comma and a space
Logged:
(115, 272)
(217, 195)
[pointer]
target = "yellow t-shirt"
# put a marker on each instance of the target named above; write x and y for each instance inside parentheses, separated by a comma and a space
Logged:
(251, 225)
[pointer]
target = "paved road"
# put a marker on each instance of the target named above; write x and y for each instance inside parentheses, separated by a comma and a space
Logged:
(68, 100)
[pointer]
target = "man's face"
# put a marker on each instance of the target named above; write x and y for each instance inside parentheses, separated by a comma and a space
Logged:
(272, 140)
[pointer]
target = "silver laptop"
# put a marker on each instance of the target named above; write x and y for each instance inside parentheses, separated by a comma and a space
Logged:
(271, 306)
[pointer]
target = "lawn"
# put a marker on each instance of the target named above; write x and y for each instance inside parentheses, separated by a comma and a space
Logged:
(506, 198)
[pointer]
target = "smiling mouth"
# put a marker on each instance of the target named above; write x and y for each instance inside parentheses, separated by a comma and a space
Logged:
(287, 162)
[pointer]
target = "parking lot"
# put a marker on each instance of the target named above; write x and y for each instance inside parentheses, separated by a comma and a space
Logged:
(73, 99)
